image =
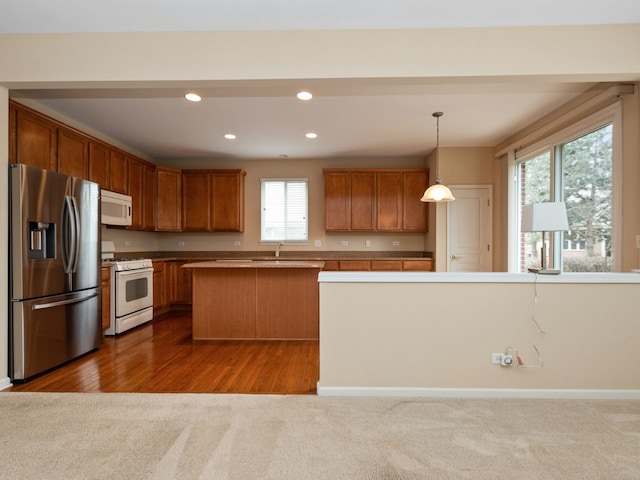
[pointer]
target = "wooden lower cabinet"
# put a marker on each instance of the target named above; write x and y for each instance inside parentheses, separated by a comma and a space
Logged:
(380, 265)
(159, 290)
(105, 286)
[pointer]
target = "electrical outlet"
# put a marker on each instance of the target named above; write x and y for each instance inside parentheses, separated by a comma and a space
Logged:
(317, 243)
(503, 359)
(127, 243)
(496, 358)
(395, 243)
(236, 243)
(345, 243)
(181, 244)
(637, 241)
(367, 243)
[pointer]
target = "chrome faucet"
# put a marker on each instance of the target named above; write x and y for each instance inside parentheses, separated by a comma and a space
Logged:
(278, 248)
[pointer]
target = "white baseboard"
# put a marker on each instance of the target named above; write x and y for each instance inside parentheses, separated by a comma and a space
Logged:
(5, 383)
(542, 393)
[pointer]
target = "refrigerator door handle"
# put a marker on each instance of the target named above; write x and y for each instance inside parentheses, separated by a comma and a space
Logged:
(69, 234)
(75, 235)
(43, 306)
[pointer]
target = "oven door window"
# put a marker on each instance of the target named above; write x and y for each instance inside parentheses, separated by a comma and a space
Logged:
(135, 289)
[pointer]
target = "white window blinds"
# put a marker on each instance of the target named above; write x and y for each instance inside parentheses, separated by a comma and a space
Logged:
(284, 210)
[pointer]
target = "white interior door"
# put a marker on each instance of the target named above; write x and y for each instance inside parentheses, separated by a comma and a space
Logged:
(469, 221)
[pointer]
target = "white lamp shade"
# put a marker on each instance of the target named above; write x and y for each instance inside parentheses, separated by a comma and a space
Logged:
(437, 193)
(544, 217)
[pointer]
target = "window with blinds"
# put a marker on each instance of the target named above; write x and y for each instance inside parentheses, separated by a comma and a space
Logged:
(284, 205)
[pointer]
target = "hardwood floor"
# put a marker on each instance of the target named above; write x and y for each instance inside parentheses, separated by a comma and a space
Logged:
(162, 357)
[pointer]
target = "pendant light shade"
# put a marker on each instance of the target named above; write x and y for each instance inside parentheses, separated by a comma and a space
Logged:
(437, 192)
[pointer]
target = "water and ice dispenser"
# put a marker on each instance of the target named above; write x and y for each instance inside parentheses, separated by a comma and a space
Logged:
(42, 240)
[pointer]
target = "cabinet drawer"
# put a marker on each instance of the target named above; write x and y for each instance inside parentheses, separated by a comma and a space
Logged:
(330, 266)
(417, 265)
(386, 265)
(106, 274)
(355, 265)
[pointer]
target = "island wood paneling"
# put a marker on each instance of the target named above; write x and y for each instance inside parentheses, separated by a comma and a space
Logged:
(224, 304)
(287, 304)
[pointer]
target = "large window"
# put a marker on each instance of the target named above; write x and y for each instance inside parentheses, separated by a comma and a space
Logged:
(284, 210)
(577, 169)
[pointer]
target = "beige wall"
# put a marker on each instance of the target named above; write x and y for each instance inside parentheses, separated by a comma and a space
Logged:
(206, 58)
(441, 335)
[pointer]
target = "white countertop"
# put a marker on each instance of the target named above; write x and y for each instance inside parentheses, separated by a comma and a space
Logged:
(475, 277)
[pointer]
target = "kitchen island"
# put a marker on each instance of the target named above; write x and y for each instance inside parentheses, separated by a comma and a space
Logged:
(266, 299)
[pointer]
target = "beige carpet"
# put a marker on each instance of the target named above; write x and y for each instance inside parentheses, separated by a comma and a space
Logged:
(201, 436)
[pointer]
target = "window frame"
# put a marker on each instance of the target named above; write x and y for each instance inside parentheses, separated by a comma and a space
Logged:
(611, 114)
(263, 241)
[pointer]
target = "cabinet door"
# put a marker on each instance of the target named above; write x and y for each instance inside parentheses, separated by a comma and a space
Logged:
(363, 208)
(179, 283)
(227, 202)
(196, 201)
(136, 190)
(168, 199)
(99, 163)
(119, 172)
(414, 212)
(337, 203)
(389, 201)
(36, 141)
(148, 197)
(106, 297)
(73, 154)
(159, 294)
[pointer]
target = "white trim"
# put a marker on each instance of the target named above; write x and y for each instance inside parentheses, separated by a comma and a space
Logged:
(475, 277)
(573, 115)
(536, 393)
(5, 383)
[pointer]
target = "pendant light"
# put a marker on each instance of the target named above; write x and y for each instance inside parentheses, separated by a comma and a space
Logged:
(437, 192)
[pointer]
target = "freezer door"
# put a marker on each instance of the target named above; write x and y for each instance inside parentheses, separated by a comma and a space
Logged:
(50, 331)
(37, 198)
(85, 267)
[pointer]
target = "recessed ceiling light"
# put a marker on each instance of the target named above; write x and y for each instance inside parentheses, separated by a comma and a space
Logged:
(229, 136)
(193, 97)
(304, 95)
(311, 135)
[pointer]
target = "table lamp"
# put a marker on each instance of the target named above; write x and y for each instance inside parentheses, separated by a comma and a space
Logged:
(544, 217)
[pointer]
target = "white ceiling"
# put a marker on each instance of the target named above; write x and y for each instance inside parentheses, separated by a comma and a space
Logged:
(372, 118)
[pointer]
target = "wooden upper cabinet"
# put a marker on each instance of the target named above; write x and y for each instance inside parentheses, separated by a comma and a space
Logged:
(415, 214)
(389, 201)
(337, 200)
(227, 201)
(149, 197)
(380, 200)
(168, 199)
(119, 172)
(363, 198)
(196, 203)
(73, 153)
(100, 163)
(136, 190)
(213, 200)
(36, 140)
(142, 192)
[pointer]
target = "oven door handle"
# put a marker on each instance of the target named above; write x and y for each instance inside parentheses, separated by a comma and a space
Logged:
(128, 273)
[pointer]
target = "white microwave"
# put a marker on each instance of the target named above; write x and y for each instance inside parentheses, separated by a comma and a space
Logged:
(116, 208)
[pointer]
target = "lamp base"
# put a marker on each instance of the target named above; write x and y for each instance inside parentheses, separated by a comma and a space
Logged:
(544, 271)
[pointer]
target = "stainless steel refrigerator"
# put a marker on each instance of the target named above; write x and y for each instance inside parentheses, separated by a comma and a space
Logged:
(54, 269)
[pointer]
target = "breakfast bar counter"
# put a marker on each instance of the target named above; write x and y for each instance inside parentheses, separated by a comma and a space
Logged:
(265, 299)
